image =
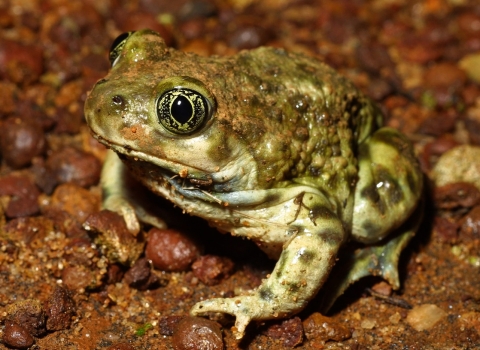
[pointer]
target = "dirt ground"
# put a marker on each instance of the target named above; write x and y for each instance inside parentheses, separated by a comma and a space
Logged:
(419, 60)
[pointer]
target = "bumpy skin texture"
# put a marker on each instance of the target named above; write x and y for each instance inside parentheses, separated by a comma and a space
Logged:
(292, 156)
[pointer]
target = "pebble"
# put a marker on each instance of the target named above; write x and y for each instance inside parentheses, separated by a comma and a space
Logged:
(29, 314)
(455, 195)
(19, 63)
(471, 65)
(78, 277)
(192, 29)
(60, 308)
(140, 275)
(23, 196)
(80, 251)
(8, 97)
(73, 166)
(29, 230)
(425, 317)
(212, 269)
(170, 250)
(445, 230)
(368, 323)
(395, 318)
(45, 179)
(383, 288)
(290, 332)
(323, 328)
(470, 225)
(167, 324)
(444, 80)
(248, 37)
(460, 164)
(21, 141)
(469, 23)
(195, 9)
(110, 232)
(114, 274)
(17, 336)
(196, 333)
(472, 125)
(434, 149)
(75, 200)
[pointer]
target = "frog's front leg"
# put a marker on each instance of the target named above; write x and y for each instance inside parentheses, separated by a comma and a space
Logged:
(121, 194)
(302, 268)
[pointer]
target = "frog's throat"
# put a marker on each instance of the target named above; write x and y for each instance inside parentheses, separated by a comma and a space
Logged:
(245, 198)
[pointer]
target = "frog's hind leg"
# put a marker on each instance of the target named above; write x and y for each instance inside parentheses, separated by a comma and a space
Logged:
(389, 185)
(377, 260)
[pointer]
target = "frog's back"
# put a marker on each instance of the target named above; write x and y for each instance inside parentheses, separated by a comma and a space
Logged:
(311, 88)
(301, 106)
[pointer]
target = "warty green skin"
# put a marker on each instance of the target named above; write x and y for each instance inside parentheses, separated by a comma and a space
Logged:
(292, 157)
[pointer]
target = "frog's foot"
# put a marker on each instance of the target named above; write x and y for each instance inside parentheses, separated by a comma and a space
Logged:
(124, 195)
(244, 308)
(123, 207)
(378, 260)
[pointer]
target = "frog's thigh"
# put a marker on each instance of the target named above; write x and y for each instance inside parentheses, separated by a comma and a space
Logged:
(389, 185)
(121, 194)
(301, 270)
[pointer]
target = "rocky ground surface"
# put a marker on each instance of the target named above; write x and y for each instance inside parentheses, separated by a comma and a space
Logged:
(58, 290)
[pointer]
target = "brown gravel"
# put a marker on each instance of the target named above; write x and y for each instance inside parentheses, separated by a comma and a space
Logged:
(195, 333)
(60, 310)
(211, 269)
(17, 336)
(58, 290)
(289, 332)
(170, 250)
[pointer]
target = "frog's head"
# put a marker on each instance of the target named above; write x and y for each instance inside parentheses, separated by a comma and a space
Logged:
(159, 110)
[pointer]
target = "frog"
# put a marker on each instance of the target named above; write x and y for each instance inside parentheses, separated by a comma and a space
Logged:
(267, 145)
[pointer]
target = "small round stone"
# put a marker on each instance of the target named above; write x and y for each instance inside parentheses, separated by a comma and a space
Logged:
(212, 269)
(170, 250)
(195, 333)
(21, 141)
(16, 336)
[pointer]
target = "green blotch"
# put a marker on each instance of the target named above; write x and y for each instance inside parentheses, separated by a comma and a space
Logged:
(140, 332)
(428, 100)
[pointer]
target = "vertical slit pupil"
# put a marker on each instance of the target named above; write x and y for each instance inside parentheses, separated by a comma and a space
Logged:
(182, 109)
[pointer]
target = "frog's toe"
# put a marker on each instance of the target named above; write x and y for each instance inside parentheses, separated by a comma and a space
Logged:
(126, 210)
(227, 306)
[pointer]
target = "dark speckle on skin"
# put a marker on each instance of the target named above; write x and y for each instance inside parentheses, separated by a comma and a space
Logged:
(332, 237)
(370, 227)
(320, 212)
(266, 294)
(306, 256)
(370, 193)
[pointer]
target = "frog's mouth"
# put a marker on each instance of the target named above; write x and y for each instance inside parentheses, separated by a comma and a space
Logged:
(171, 185)
(161, 175)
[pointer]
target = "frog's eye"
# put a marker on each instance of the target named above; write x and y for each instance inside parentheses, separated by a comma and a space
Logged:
(182, 111)
(117, 47)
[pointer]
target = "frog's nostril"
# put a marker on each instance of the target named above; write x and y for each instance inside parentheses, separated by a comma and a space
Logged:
(118, 100)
